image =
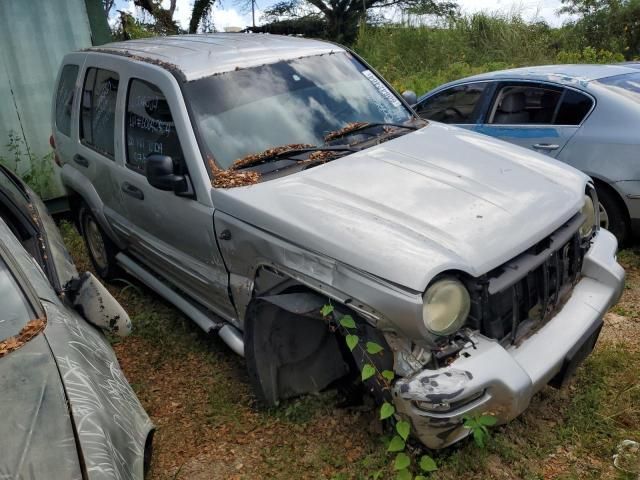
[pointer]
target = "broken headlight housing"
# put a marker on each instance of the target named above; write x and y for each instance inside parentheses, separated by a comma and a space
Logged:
(445, 307)
(590, 212)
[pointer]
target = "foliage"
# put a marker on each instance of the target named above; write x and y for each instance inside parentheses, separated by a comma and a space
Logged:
(589, 55)
(606, 24)
(422, 57)
(340, 20)
(37, 172)
(479, 427)
(163, 22)
(398, 443)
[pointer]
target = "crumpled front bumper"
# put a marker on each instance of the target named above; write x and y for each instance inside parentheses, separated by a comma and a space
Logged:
(490, 378)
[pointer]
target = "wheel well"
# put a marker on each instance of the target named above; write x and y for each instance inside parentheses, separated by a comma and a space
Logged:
(291, 349)
(601, 185)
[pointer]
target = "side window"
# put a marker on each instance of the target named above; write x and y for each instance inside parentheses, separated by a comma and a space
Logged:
(455, 105)
(98, 112)
(149, 126)
(64, 98)
(575, 106)
(525, 104)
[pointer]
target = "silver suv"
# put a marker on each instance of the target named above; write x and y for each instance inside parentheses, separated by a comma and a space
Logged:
(253, 179)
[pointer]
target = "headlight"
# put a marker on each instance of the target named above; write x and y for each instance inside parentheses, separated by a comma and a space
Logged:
(589, 211)
(445, 307)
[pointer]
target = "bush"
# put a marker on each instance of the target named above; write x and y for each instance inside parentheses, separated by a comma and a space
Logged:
(420, 58)
(37, 172)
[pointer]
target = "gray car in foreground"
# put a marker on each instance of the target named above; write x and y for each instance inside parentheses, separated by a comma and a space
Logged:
(67, 410)
(584, 115)
(252, 179)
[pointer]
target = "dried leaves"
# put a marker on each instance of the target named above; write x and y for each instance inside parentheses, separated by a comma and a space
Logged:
(323, 156)
(30, 330)
(348, 128)
(257, 157)
(231, 178)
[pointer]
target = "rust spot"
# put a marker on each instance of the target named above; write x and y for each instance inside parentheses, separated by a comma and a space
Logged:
(30, 330)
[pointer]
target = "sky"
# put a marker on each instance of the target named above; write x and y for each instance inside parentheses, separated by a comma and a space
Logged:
(227, 13)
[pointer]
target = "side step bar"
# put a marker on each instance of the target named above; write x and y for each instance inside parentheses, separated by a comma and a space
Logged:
(229, 334)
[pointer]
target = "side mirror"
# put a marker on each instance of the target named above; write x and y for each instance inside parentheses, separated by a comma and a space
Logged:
(93, 301)
(160, 174)
(410, 97)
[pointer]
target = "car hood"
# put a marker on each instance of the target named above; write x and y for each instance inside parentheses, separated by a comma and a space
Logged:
(36, 436)
(441, 198)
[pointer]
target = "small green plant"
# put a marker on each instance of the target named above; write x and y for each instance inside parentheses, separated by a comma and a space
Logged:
(398, 444)
(479, 426)
(37, 172)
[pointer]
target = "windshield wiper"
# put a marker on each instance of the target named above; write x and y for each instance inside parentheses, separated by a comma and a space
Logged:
(285, 151)
(353, 127)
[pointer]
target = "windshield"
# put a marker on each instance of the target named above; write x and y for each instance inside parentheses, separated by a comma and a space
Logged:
(15, 312)
(627, 85)
(298, 101)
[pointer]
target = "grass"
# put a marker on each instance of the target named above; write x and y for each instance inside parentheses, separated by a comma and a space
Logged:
(197, 393)
(420, 58)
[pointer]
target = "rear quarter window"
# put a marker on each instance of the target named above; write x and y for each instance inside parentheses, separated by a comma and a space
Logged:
(64, 98)
(574, 108)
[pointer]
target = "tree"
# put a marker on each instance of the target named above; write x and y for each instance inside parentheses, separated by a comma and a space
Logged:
(165, 24)
(341, 17)
(606, 24)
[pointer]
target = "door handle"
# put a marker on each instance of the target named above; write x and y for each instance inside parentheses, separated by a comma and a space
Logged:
(546, 146)
(80, 160)
(132, 190)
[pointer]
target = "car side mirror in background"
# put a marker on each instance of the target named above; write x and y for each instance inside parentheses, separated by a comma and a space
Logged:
(160, 174)
(410, 97)
(93, 301)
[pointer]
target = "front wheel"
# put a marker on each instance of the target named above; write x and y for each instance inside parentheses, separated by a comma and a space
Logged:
(102, 251)
(613, 216)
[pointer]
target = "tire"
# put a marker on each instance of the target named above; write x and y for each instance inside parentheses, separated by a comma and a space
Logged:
(613, 216)
(102, 251)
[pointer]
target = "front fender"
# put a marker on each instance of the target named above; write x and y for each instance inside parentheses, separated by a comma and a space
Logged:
(386, 306)
(112, 427)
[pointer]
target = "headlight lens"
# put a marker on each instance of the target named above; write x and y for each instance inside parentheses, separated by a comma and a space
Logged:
(446, 306)
(589, 211)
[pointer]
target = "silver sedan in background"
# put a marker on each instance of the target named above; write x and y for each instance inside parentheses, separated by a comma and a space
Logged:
(584, 115)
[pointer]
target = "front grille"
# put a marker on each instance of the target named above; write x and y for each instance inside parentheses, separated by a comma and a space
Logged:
(515, 297)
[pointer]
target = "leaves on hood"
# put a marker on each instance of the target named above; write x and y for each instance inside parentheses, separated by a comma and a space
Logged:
(30, 330)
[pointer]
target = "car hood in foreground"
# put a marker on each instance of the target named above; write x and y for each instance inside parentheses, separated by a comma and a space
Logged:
(438, 199)
(36, 438)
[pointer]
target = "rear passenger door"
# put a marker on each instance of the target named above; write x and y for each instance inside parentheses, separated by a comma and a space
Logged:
(97, 150)
(172, 234)
(539, 116)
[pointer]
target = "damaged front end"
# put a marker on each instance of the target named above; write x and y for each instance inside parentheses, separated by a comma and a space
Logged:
(531, 323)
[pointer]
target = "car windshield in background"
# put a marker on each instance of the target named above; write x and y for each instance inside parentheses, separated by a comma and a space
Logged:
(291, 102)
(627, 85)
(15, 311)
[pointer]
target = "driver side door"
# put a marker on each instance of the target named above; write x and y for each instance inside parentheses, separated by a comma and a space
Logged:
(171, 234)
